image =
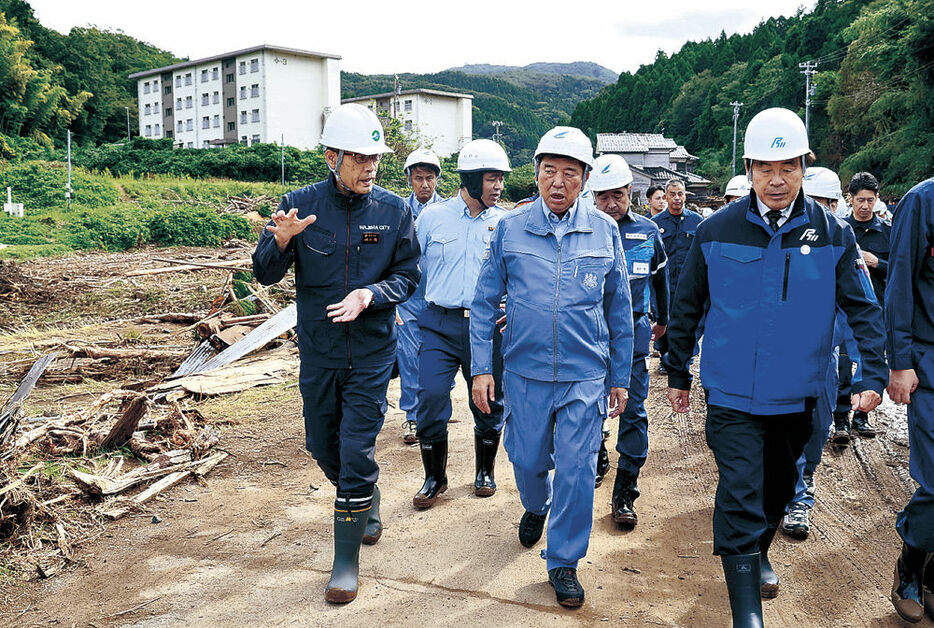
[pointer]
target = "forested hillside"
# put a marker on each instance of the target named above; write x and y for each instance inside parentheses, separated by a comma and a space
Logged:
(874, 88)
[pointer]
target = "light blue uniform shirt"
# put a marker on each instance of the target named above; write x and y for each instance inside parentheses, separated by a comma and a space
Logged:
(453, 246)
(417, 206)
(409, 310)
(560, 223)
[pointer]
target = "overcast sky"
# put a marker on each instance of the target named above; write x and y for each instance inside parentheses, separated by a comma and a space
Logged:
(385, 37)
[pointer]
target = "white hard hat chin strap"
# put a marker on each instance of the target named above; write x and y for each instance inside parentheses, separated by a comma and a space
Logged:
(336, 170)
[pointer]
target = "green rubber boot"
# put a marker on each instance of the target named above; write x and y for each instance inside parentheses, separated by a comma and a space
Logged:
(374, 527)
(350, 519)
(742, 572)
(768, 579)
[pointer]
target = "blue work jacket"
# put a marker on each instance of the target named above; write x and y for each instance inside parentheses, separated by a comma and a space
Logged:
(677, 236)
(873, 236)
(909, 293)
(568, 309)
(772, 303)
(361, 241)
(647, 264)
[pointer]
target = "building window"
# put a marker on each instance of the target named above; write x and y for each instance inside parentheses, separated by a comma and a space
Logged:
(214, 74)
(168, 89)
(205, 144)
(408, 105)
(178, 81)
(231, 102)
(254, 65)
(148, 130)
(217, 122)
(243, 117)
(189, 124)
(190, 145)
(178, 127)
(242, 92)
(168, 133)
(146, 87)
(230, 78)
(155, 86)
(157, 130)
(408, 126)
(205, 99)
(255, 139)
(188, 102)
(243, 67)
(147, 110)
(178, 103)
(188, 78)
(243, 140)
(254, 90)
(217, 97)
(254, 117)
(204, 76)
(168, 112)
(205, 122)
(155, 108)
(231, 126)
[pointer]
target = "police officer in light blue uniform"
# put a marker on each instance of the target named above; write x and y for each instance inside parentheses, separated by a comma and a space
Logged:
(561, 266)
(611, 182)
(677, 226)
(422, 171)
(454, 235)
(356, 257)
(909, 314)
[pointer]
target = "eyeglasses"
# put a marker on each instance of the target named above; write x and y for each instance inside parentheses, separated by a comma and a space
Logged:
(363, 159)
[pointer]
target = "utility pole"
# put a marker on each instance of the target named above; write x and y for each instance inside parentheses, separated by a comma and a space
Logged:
(397, 91)
(497, 136)
(282, 157)
(127, 124)
(736, 105)
(68, 187)
(808, 68)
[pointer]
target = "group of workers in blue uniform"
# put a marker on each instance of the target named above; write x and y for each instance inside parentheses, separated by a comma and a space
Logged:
(547, 310)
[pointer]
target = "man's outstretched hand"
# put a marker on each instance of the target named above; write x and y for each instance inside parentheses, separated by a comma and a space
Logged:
(287, 226)
(349, 309)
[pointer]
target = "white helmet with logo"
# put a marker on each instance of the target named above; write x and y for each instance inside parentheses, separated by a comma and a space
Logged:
(610, 172)
(422, 156)
(482, 156)
(355, 129)
(737, 186)
(566, 141)
(881, 210)
(775, 134)
(822, 183)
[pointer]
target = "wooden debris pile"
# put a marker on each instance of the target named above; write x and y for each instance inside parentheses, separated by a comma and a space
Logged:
(248, 204)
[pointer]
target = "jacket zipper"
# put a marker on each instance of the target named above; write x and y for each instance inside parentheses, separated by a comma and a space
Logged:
(347, 285)
(555, 315)
(785, 281)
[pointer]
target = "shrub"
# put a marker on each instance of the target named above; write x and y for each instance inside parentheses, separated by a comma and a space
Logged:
(520, 183)
(187, 226)
(114, 229)
(41, 184)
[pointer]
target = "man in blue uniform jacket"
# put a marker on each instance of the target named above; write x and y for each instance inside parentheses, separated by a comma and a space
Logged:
(769, 270)
(909, 314)
(356, 257)
(568, 338)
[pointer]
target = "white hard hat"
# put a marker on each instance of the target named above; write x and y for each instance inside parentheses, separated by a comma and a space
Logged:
(822, 183)
(881, 210)
(482, 155)
(610, 172)
(775, 134)
(737, 186)
(356, 129)
(567, 142)
(422, 156)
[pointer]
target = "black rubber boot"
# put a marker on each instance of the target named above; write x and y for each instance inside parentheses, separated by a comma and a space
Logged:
(435, 462)
(603, 464)
(862, 426)
(485, 448)
(625, 492)
(841, 429)
(768, 579)
(374, 527)
(742, 573)
(907, 589)
(350, 517)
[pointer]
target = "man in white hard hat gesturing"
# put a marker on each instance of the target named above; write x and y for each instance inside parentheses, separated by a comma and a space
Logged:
(355, 254)
(769, 272)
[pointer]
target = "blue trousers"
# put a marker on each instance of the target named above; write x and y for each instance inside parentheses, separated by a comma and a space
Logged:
(445, 349)
(756, 456)
(555, 426)
(344, 410)
(632, 441)
(821, 422)
(410, 339)
(915, 524)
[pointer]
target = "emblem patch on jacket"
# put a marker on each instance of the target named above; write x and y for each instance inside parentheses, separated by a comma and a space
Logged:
(590, 281)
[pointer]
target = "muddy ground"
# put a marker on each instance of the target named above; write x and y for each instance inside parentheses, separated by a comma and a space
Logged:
(252, 546)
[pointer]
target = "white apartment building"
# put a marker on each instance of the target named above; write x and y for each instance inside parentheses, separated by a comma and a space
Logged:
(441, 120)
(259, 94)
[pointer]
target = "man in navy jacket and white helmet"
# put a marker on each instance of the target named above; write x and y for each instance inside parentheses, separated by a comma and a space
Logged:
(769, 271)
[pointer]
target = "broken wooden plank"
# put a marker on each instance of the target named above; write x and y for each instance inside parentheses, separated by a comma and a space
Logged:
(274, 367)
(246, 265)
(97, 353)
(123, 429)
(273, 328)
(9, 416)
(9, 487)
(229, 336)
(100, 485)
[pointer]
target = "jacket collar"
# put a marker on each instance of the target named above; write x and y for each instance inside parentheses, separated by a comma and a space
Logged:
(873, 224)
(537, 223)
(797, 218)
(351, 202)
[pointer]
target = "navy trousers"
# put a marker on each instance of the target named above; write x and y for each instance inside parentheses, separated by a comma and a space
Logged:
(445, 349)
(632, 441)
(757, 458)
(915, 524)
(344, 410)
